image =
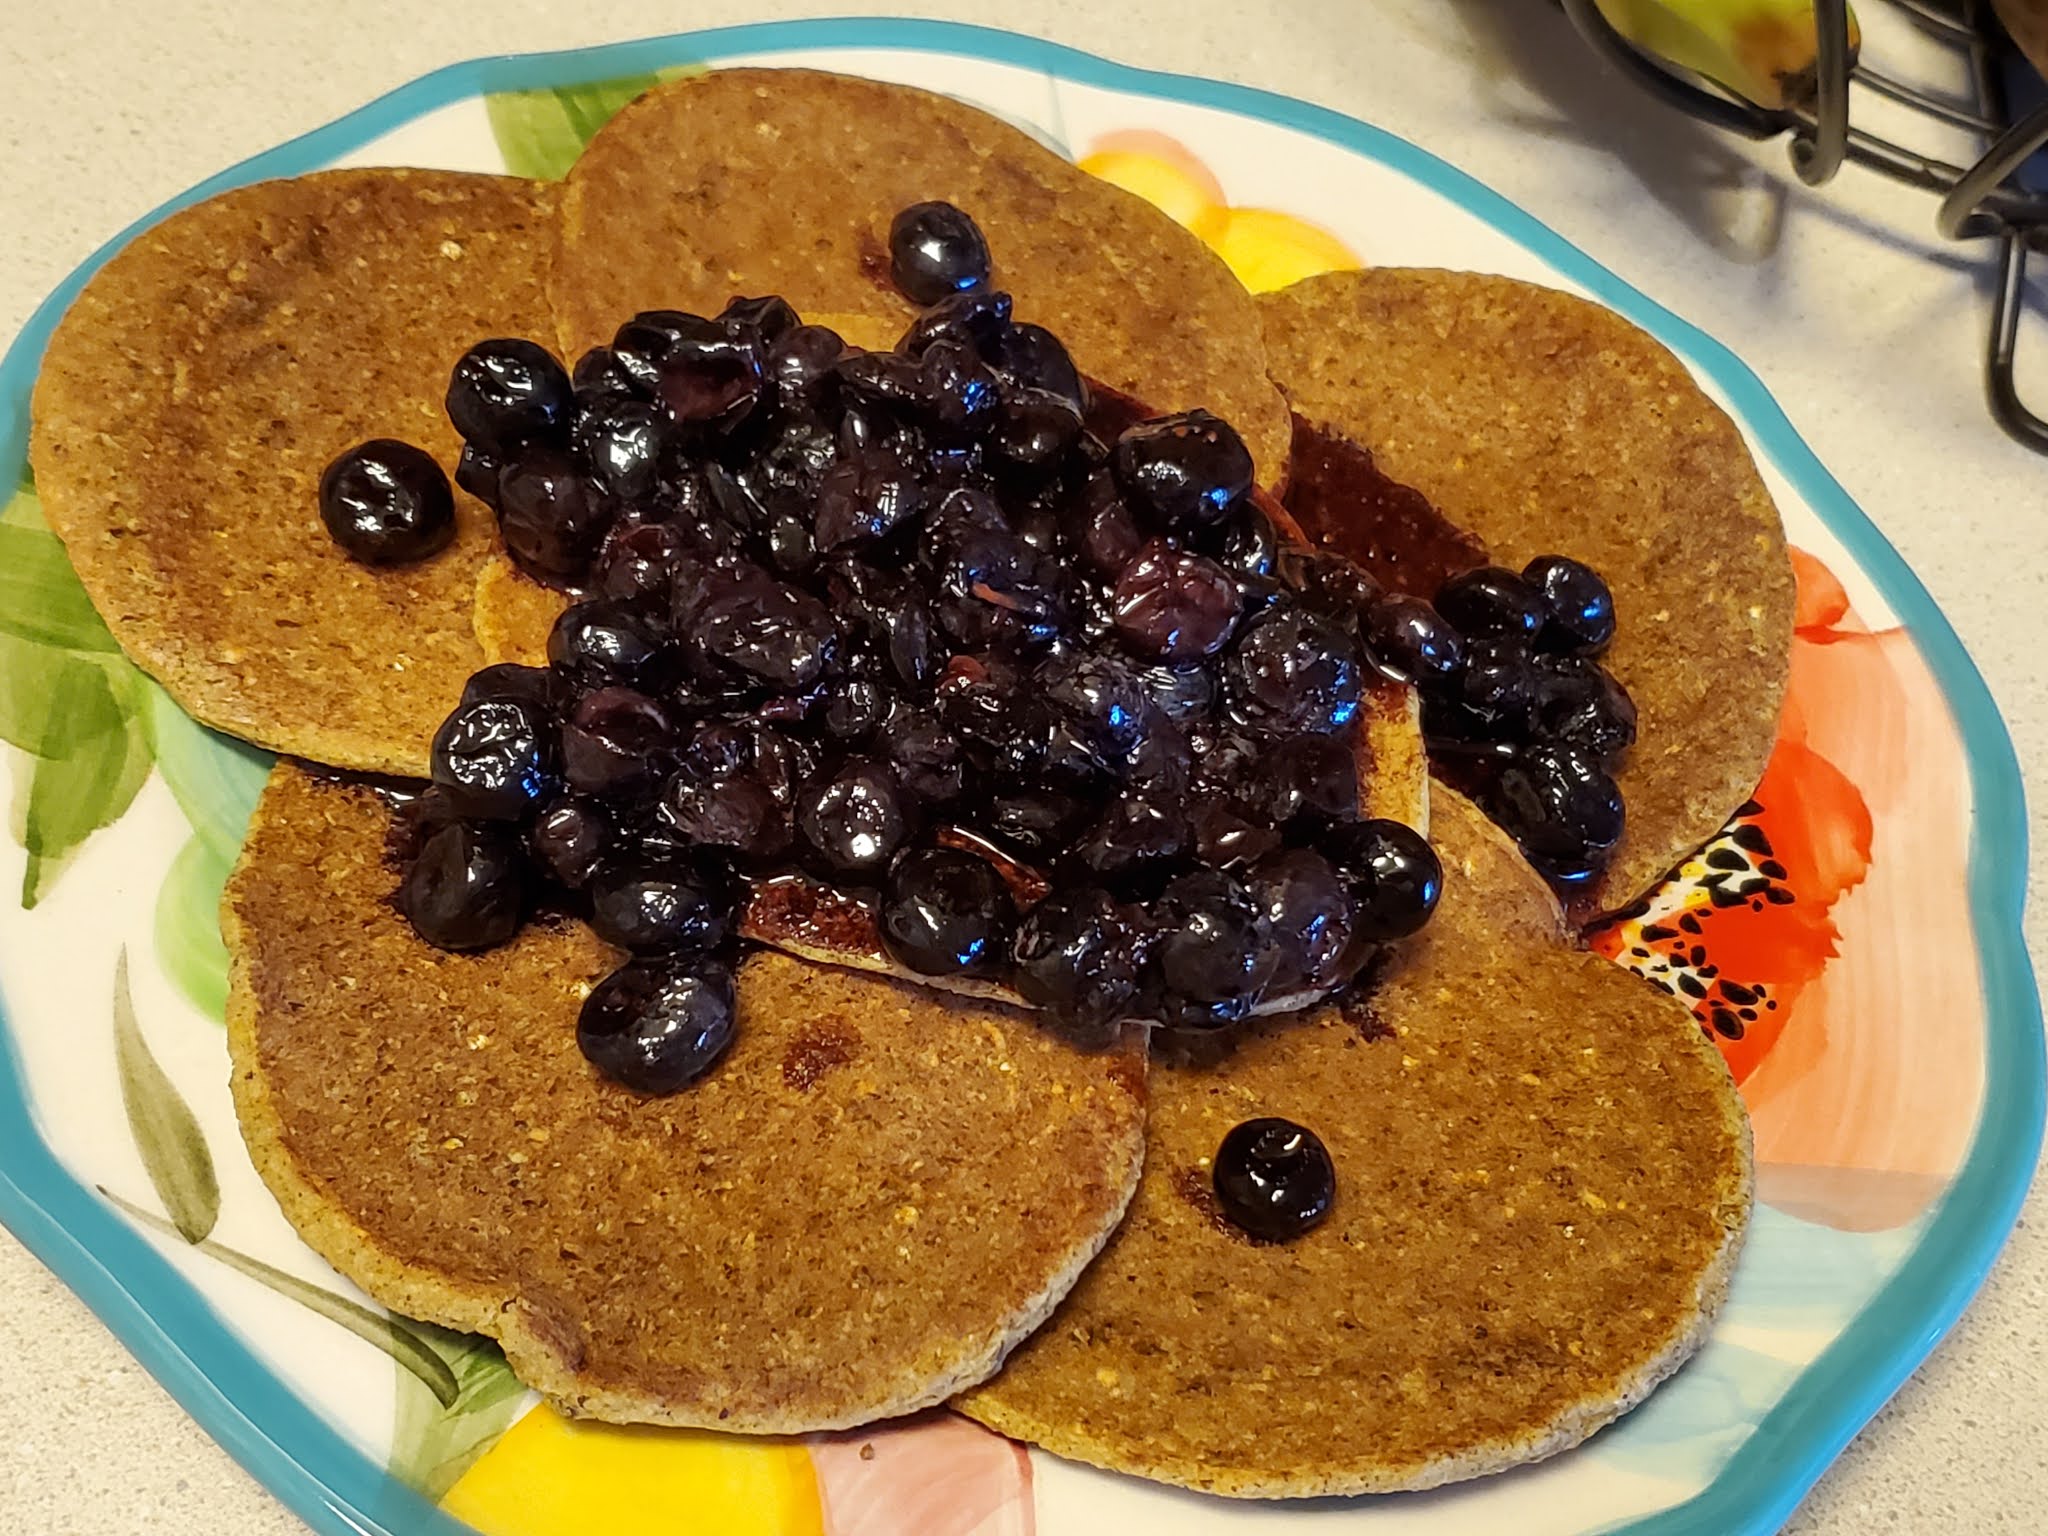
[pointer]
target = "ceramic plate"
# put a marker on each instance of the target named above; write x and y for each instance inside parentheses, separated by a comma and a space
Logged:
(1853, 943)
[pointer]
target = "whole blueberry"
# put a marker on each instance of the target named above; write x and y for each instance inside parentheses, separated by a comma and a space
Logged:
(1581, 609)
(945, 912)
(936, 250)
(496, 758)
(657, 1025)
(508, 392)
(465, 888)
(1274, 1178)
(1182, 472)
(387, 502)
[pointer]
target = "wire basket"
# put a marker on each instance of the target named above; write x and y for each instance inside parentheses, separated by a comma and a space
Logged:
(1999, 199)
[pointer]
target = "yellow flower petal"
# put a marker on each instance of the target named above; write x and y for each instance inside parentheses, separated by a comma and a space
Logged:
(553, 1476)
(1269, 250)
(1156, 168)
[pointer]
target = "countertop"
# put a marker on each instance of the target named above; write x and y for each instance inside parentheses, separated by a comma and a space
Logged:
(1867, 330)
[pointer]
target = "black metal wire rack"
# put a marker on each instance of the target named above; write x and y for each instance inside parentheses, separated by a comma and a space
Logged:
(1999, 200)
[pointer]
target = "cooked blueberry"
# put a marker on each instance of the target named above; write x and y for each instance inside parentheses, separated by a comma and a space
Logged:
(1305, 920)
(1174, 606)
(709, 380)
(1293, 672)
(1492, 699)
(617, 742)
(1274, 1179)
(550, 515)
(466, 887)
(1311, 779)
(1562, 808)
(600, 375)
(927, 757)
(800, 365)
(755, 627)
(866, 496)
(507, 393)
(957, 396)
(782, 763)
(944, 912)
(536, 686)
(1036, 359)
(1076, 956)
(568, 837)
(1135, 832)
(1579, 704)
(716, 749)
(604, 641)
(1034, 821)
(1101, 529)
(478, 474)
(1210, 950)
(853, 708)
(1330, 584)
(1034, 427)
(1184, 694)
(1228, 835)
(855, 819)
(1581, 609)
(1410, 639)
(622, 442)
(1182, 472)
(659, 905)
(978, 318)
(1251, 544)
(761, 320)
(1102, 697)
(640, 562)
(936, 250)
(656, 1025)
(1394, 875)
(1492, 603)
(495, 758)
(387, 502)
(735, 812)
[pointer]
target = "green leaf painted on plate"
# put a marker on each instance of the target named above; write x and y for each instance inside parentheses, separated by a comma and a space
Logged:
(50, 700)
(188, 942)
(66, 799)
(433, 1442)
(24, 509)
(40, 595)
(540, 133)
(396, 1337)
(214, 778)
(167, 1134)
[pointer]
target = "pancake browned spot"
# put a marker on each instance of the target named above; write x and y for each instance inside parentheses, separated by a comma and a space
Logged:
(1547, 424)
(785, 181)
(1543, 1178)
(202, 381)
(871, 1198)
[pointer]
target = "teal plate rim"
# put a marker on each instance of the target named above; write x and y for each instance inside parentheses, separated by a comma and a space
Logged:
(339, 1491)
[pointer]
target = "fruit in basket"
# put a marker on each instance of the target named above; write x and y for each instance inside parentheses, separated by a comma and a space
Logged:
(1762, 50)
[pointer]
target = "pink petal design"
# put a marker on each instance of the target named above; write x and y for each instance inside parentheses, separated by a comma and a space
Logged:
(932, 1475)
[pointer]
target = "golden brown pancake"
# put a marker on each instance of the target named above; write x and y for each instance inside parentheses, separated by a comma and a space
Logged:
(1543, 1178)
(786, 180)
(1547, 424)
(856, 1213)
(202, 381)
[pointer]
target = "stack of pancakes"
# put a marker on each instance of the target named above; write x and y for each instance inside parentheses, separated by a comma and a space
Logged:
(886, 1197)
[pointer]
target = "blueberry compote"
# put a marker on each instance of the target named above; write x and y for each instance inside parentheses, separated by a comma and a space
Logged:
(1056, 705)
(1517, 709)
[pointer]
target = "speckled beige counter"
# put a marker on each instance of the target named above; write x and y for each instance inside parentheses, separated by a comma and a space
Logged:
(1868, 334)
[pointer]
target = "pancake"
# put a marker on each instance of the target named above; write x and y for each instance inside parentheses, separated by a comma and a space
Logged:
(855, 1214)
(197, 388)
(1543, 1179)
(786, 180)
(1543, 423)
